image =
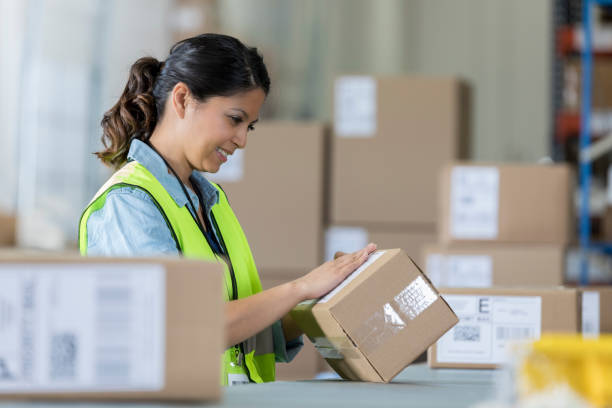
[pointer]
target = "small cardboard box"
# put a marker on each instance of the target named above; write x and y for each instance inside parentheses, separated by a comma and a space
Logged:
(491, 318)
(596, 306)
(276, 188)
(511, 203)
(101, 329)
(392, 136)
(488, 265)
(353, 238)
(376, 322)
(601, 95)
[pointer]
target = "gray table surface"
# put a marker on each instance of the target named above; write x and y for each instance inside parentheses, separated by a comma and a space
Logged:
(416, 386)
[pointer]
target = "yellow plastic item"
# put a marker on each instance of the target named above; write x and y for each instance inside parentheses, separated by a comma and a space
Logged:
(585, 364)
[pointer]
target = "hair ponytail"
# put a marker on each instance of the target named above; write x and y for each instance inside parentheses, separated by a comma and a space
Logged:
(133, 116)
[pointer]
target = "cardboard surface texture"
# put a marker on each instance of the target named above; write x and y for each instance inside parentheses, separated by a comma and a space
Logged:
(508, 203)
(159, 318)
(276, 189)
(491, 319)
(494, 265)
(378, 320)
(392, 136)
(7, 230)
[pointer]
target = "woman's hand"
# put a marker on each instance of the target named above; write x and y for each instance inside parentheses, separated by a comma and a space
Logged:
(326, 277)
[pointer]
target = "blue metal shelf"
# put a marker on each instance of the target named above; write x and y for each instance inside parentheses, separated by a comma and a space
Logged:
(585, 141)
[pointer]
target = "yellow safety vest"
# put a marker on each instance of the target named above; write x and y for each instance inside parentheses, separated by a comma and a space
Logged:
(253, 358)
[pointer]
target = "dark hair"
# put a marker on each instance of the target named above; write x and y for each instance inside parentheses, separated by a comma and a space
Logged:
(209, 64)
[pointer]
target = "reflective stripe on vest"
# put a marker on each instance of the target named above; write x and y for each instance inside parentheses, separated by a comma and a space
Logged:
(259, 350)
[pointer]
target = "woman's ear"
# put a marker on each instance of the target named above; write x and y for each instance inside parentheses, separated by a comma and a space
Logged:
(180, 99)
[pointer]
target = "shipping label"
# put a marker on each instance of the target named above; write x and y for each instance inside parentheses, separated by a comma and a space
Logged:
(468, 271)
(345, 239)
(474, 204)
(352, 276)
(590, 313)
(231, 171)
(355, 107)
(82, 327)
(487, 325)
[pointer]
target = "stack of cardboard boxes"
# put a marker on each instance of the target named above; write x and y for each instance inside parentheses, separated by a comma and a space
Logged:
(391, 137)
(500, 260)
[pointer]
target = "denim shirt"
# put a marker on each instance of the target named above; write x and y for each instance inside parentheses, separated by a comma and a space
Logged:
(130, 224)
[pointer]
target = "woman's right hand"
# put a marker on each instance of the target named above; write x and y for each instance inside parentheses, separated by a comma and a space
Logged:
(326, 277)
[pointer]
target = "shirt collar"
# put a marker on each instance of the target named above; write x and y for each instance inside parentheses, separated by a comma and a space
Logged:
(146, 156)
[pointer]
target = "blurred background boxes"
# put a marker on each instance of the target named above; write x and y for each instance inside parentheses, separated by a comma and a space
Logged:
(509, 203)
(276, 188)
(491, 318)
(392, 135)
(350, 239)
(495, 265)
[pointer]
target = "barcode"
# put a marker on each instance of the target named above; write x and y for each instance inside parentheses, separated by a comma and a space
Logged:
(466, 333)
(114, 325)
(64, 350)
(514, 333)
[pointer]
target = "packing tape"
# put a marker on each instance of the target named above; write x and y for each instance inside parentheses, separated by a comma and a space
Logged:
(335, 347)
(407, 305)
(415, 298)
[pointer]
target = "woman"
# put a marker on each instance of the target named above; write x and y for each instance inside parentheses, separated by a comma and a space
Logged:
(175, 119)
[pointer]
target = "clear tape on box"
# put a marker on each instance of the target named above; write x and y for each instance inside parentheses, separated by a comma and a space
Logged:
(383, 324)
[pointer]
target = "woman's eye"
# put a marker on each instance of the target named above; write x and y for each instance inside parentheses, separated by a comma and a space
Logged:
(236, 119)
(251, 128)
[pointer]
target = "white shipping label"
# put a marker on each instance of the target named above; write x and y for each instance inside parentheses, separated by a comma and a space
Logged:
(82, 327)
(590, 314)
(435, 268)
(468, 271)
(345, 239)
(231, 171)
(355, 106)
(474, 204)
(487, 325)
(352, 276)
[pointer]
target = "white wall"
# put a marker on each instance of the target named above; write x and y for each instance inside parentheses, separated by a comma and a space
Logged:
(501, 47)
(12, 31)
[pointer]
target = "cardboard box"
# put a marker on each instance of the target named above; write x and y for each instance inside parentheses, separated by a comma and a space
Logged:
(353, 238)
(511, 203)
(101, 329)
(308, 363)
(7, 230)
(495, 265)
(596, 306)
(601, 97)
(275, 187)
(491, 318)
(378, 320)
(392, 135)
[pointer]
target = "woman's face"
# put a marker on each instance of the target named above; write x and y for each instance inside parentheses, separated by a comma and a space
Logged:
(214, 129)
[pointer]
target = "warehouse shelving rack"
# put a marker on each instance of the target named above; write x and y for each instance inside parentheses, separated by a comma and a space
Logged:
(588, 150)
